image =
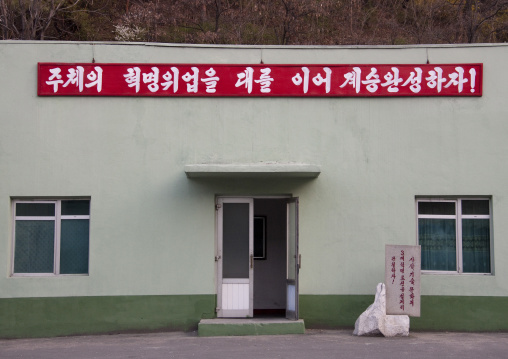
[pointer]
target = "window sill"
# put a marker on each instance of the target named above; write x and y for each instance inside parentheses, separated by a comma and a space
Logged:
(45, 275)
(430, 272)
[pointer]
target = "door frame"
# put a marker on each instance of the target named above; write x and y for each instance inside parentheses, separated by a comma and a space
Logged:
(293, 258)
(219, 200)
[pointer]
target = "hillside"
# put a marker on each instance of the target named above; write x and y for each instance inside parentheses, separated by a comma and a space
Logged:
(272, 22)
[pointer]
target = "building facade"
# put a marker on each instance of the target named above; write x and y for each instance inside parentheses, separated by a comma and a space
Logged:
(123, 212)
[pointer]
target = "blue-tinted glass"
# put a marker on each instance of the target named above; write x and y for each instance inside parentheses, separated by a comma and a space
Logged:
(34, 247)
(476, 245)
(74, 236)
(76, 208)
(35, 209)
(438, 240)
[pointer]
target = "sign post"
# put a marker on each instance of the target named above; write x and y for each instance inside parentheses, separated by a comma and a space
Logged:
(402, 278)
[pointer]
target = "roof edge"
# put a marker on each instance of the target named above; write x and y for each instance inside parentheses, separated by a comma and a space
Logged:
(276, 47)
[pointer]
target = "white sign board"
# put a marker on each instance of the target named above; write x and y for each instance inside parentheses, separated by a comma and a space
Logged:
(402, 278)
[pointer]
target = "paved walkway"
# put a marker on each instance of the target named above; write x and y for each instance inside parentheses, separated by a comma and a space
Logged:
(314, 344)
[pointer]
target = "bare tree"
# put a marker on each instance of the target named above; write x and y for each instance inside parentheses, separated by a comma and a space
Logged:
(30, 19)
(477, 18)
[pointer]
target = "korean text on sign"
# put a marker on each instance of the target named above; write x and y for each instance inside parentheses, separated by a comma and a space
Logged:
(170, 80)
(402, 277)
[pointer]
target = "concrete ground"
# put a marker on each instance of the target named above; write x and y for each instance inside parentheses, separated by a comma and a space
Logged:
(314, 344)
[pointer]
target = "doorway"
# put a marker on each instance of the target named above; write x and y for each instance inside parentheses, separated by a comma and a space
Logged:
(257, 257)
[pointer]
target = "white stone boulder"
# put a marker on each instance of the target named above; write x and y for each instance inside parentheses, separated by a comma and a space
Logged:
(375, 321)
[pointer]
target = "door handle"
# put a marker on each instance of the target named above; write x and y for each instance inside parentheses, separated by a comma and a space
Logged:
(299, 261)
(251, 261)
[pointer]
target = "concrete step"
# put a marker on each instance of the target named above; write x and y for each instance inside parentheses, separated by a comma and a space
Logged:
(249, 326)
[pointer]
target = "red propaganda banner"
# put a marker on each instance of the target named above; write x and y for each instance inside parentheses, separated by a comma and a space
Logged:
(216, 80)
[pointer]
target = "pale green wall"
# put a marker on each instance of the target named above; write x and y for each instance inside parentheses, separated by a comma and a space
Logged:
(152, 229)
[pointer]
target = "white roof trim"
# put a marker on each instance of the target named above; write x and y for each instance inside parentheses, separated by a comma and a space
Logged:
(262, 47)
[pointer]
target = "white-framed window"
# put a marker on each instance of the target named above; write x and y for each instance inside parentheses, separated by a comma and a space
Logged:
(51, 237)
(455, 234)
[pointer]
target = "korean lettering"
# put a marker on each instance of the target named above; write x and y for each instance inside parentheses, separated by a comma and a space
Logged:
(217, 80)
(372, 80)
(192, 80)
(55, 79)
(435, 80)
(152, 78)
(393, 270)
(412, 281)
(392, 80)
(457, 79)
(402, 281)
(171, 79)
(415, 79)
(353, 78)
(96, 78)
(133, 77)
(402, 276)
(245, 78)
(211, 80)
(265, 80)
(298, 80)
(319, 80)
(75, 77)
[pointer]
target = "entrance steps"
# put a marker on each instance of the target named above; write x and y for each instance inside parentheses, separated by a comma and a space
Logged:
(249, 326)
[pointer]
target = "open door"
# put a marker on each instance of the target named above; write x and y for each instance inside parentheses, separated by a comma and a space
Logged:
(293, 260)
(235, 257)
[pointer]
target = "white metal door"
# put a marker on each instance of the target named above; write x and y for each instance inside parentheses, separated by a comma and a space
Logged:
(293, 260)
(235, 257)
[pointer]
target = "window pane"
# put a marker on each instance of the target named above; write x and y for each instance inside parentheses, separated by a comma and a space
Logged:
(75, 208)
(235, 240)
(475, 207)
(259, 237)
(476, 245)
(443, 208)
(438, 240)
(74, 236)
(35, 209)
(34, 247)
